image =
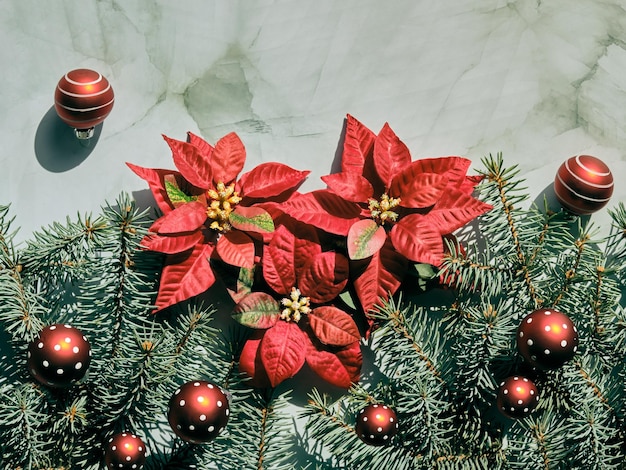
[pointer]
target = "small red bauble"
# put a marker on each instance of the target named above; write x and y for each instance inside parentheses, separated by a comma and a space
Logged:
(198, 411)
(517, 397)
(583, 184)
(83, 98)
(547, 338)
(376, 424)
(59, 356)
(125, 451)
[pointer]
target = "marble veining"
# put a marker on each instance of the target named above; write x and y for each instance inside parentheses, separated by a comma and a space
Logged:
(539, 81)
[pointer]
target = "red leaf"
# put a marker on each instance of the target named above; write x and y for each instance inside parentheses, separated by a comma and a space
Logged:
(469, 183)
(185, 276)
(333, 326)
(156, 182)
(341, 368)
(194, 166)
(357, 146)
(278, 261)
(417, 239)
(172, 244)
(324, 277)
(257, 310)
(454, 168)
(365, 238)
(185, 218)
(283, 351)
(390, 155)
(202, 145)
(323, 210)
(236, 248)
(228, 158)
(455, 209)
(379, 277)
(250, 361)
(270, 179)
(350, 186)
(417, 190)
(305, 239)
(307, 246)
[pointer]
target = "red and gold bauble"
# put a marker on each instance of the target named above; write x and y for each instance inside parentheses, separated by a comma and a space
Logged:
(83, 98)
(125, 451)
(59, 356)
(376, 424)
(198, 411)
(547, 338)
(517, 397)
(583, 184)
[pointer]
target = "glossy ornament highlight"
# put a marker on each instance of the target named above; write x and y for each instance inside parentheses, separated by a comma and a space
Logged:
(125, 451)
(59, 356)
(583, 184)
(517, 397)
(547, 338)
(83, 99)
(376, 424)
(198, 411)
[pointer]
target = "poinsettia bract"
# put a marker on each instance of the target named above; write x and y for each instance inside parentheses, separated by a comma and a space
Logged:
(391, 209)
(209, 213)
(295, 322)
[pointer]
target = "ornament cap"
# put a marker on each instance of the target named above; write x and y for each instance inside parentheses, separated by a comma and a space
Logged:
(84, 134)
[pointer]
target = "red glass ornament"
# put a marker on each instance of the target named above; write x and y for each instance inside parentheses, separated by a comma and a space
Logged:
(376, 424)
(583, 184)
(83, 98)
(517, 397)
(547, 338)
(125, 451)
(59, 356)
(198, 411)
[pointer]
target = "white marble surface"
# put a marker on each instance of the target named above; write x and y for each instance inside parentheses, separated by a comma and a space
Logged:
(538, 80)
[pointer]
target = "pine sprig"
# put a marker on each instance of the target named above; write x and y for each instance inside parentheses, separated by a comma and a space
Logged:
(24, 415)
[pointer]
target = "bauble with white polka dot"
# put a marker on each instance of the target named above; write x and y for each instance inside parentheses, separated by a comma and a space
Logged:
(547, 338)
(198, 411)
(59, 356)
(376, 424)
(125, 451)
(517, 397)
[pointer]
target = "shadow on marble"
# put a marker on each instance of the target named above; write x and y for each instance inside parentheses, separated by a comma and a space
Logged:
(336, 163)
(56, 147)
(144, 201)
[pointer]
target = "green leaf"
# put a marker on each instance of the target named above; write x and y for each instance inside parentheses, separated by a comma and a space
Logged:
(252, 219)
(257, 310)
(176, 195)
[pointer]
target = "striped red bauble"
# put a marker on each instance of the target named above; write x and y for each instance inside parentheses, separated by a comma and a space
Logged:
(83, 99)
(583, 184)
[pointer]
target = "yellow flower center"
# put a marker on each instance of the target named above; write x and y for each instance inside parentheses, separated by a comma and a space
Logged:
(381, 211)
(295, 305)
(222, 199)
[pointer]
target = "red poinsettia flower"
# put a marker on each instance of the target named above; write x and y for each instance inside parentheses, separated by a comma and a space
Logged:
(208, 212)
(300, 326)
(391, 209)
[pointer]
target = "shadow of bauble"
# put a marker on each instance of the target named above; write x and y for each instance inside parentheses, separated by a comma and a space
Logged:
(57, 148)
(546, 199)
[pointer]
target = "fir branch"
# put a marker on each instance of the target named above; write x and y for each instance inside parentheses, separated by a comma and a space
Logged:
(580, 244)
(20, 309)
(338, 437)
(24, 418)
(506, 202)
(394, 321)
